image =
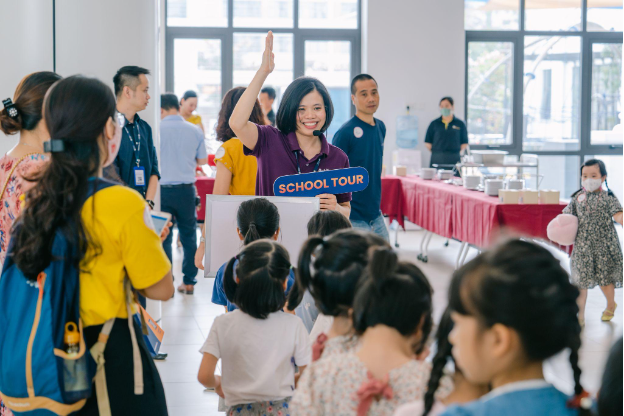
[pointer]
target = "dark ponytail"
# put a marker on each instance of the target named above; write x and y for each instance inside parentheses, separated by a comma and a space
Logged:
(28, 101)
(522, 285)
(440, 359)
(258, 288)
(395, 294)
(332, 275)
(76, 112)
(257, 218)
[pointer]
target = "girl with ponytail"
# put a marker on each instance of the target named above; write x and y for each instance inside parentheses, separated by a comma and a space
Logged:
(514, 307)
(258, 344)
(392, 316)
(597, 256)
(462, 390)
(330, 268)
(257, 218)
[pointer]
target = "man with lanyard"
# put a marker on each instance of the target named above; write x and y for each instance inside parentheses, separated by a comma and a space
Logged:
(362, 139)
(182, 149)
(136, 163)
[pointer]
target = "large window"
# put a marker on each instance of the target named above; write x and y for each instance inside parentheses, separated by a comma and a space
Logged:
(215, 45)
(545, 77)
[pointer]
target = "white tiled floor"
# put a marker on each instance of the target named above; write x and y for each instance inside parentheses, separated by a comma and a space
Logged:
(187, 320)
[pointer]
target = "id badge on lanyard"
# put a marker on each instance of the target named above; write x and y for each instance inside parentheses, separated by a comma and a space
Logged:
(139, 171)
(139, 176)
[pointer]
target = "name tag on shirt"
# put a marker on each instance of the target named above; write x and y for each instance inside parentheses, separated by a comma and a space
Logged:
(456, 127)
(139, 176)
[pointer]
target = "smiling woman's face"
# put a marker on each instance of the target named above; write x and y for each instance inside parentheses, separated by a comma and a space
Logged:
(311, 114)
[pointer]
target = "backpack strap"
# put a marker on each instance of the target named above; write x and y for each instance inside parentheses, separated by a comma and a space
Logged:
(97, 352)
(138, 364)
(8, 179)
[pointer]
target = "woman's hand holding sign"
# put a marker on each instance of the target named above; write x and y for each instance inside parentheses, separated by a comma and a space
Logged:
(329, 202)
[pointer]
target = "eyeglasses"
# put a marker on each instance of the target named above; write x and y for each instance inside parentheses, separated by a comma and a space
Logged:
(121, 119)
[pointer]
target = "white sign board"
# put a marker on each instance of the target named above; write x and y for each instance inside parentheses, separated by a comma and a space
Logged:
(222, 242)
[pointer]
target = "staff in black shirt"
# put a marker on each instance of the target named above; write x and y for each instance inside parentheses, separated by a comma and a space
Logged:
(446, 136)
(136, 163)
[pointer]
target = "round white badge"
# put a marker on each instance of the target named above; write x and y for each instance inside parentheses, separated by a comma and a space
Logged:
(358, 132)
(220, 153)
(581, 197)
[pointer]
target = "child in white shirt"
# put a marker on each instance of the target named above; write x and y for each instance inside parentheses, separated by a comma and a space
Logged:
(259, 344)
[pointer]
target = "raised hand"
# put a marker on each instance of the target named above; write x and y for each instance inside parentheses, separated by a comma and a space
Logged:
(268, 58)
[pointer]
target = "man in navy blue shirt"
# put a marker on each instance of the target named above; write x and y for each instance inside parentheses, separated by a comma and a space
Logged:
(136, 162)
(362, 139)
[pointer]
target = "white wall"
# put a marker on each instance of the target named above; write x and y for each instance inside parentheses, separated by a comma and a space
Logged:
(415, 50)
(26, 40)
(96, 38)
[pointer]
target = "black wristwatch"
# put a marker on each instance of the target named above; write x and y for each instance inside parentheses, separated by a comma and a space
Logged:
(150, 203)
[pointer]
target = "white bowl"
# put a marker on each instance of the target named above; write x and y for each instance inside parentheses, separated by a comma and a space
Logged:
(445, 175)
(472, 181)
(427, 173)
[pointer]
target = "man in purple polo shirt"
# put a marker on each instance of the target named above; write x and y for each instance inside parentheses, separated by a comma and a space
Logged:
(298, 144)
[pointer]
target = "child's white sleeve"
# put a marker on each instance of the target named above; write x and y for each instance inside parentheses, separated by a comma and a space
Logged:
(211, 345)
(303, 352)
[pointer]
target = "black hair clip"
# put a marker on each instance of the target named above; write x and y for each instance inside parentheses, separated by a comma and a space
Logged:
(54, 146)
(10, 108)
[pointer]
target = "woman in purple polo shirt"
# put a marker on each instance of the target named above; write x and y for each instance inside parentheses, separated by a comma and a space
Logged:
(298, 144)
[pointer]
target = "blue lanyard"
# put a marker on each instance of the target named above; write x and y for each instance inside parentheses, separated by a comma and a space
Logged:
(316, 168)
(135, 146)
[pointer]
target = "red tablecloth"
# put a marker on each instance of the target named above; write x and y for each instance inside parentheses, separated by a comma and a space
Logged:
(469, 216)
(392, 199)
(204, 187)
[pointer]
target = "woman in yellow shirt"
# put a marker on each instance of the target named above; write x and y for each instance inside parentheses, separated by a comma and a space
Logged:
(113, 230)
(188, 104)
(236, 173)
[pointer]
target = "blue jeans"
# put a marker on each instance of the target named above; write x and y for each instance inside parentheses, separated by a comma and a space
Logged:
(378, 226)
(180, 203)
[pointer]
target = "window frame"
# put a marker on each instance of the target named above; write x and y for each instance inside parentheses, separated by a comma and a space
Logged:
(517, 37)
(226, 35)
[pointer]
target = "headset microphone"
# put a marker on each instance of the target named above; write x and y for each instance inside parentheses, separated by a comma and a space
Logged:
(317, 133)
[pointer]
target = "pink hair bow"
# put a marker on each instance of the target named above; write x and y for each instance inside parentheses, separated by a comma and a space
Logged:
(318, 347)
(372, 389)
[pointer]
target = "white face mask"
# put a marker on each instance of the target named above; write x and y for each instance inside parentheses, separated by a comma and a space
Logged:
(591, 185)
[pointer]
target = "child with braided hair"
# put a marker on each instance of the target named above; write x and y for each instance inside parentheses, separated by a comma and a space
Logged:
(514, 307)
(461, 390)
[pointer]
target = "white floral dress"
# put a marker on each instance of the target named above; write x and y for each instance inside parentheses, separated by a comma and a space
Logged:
(597, 256)
(333, 386)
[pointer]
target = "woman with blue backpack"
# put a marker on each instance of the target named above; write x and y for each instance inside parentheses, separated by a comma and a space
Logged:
(79, 245)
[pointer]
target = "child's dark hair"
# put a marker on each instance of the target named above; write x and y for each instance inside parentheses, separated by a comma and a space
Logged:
(610, 396)
(443, 354)
(257, 218)
(324, 223)
(286, 119)
(260, 276)
(393, 293)
(333, 274)
(603, 172)
(522, 285)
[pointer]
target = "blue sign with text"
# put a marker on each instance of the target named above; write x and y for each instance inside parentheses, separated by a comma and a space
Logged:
(335, 182)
